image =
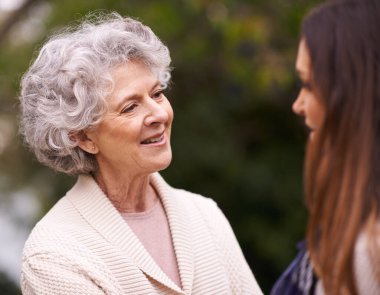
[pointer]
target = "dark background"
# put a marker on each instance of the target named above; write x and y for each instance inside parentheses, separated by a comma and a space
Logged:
(234, 138)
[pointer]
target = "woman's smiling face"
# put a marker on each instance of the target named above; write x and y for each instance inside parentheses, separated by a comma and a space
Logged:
(134, 135)
(307, 103)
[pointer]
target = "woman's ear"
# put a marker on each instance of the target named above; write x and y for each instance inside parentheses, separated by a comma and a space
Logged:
(84, 142)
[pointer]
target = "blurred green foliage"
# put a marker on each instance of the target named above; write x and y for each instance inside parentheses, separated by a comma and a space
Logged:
(235, 138)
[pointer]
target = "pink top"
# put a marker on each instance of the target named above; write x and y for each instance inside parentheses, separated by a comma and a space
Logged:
(152, 229)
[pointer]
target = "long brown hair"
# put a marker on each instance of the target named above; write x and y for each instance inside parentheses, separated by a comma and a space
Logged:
(342, 167)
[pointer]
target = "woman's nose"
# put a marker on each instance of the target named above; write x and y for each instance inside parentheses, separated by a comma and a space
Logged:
(157, 114)
(298, 105)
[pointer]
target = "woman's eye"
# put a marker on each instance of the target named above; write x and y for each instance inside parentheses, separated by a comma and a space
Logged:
(305, 85)
(129, 108)
(158, 94)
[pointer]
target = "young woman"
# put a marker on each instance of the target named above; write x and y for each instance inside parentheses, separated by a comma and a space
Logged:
(338, 63)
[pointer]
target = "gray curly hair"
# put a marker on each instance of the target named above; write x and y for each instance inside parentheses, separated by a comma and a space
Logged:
(64, 90)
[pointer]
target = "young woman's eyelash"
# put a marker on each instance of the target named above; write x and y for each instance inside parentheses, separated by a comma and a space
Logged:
(305, 85)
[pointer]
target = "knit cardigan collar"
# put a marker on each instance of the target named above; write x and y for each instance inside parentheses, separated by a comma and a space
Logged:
(95, 208)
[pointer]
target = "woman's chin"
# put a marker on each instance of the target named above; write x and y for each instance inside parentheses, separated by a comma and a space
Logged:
(163, 163)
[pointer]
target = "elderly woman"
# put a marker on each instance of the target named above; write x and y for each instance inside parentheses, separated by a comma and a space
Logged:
(93, 105)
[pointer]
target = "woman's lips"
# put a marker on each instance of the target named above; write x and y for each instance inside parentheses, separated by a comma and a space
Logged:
(155, 140)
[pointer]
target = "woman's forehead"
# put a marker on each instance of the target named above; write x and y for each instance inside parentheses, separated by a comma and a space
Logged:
(303, 62)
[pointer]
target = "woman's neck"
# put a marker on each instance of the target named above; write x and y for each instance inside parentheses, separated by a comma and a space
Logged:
(128, 193)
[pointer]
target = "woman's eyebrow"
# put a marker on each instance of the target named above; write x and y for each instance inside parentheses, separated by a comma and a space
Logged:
(158, 83)
(126, 98)
(301, 73)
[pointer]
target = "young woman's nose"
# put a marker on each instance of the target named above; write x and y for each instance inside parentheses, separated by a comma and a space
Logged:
(298, 105)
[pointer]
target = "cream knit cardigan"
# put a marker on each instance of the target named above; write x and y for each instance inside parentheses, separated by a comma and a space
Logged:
(83, 246)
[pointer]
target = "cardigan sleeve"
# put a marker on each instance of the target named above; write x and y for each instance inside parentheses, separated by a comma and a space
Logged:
(55, 264)
(240, 276)
(51, 274)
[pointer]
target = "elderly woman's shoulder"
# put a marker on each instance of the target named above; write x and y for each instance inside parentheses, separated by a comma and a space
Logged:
(182, 195)
(205, 205)
(56, 226)
(196, 198)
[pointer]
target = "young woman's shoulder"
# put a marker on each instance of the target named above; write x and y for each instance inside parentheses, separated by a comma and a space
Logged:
(365, 277)
(364, 265)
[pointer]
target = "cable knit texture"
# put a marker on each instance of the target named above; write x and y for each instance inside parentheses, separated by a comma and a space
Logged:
(83, 246)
